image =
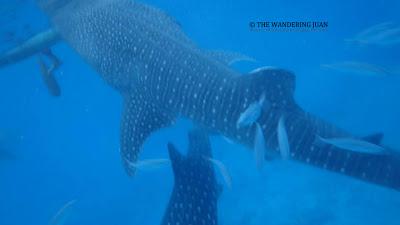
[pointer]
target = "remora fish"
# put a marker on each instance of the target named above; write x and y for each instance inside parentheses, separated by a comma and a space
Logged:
(352, 144)
(223, 170)
(251, 114)
(161, 74)
(149, 164)
(195, 194)
(283, 140)
(259, 147)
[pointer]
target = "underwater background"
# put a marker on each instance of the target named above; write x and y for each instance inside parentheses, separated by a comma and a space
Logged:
(67, 148)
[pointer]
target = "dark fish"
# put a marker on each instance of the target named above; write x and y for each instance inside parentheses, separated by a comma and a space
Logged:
(48, 78)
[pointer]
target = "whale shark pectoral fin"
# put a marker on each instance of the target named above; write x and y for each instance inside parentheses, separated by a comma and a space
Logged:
(228, 57)
(140, 119)
(374, 138)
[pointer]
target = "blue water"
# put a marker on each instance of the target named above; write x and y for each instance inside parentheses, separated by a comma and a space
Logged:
(68, 148)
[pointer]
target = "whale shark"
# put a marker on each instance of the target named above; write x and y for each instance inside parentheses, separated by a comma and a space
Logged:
(195, 193)
(162, 74)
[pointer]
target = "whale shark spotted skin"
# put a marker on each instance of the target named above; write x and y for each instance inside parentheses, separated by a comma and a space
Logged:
(195, 193)
(161, 74)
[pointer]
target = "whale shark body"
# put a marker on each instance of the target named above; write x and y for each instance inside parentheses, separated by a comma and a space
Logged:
(161, 74)
(195, 194)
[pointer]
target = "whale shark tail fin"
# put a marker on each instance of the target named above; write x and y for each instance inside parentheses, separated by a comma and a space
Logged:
(277, 85)
(304, 129)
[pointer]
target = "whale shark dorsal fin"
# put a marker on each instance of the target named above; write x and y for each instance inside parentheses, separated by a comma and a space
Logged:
(374, 138)
(228, 57)
(140, 119)
(159, 19)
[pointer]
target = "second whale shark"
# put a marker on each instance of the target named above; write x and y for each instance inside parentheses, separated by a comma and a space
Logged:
(196, 191)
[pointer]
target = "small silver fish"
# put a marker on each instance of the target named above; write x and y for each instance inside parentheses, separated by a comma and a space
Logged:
(251, 114)
(371, 31)
(223, 170)
(383, 34)
(354, 145)
(149, 164)
(359, 68)
(62, 214)
(283, 141)
(228, 140)
(259, 147)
